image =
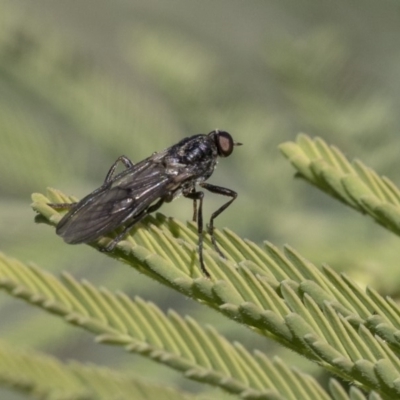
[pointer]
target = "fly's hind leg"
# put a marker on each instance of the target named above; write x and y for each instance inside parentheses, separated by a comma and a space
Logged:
(132, 223)
(125, 160)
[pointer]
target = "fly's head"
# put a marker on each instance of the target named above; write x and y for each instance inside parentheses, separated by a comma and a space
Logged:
(224, 142)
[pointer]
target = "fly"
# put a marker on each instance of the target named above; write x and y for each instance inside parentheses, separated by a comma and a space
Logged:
(126, 198)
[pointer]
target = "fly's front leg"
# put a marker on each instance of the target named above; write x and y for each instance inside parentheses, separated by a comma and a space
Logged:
(225, 192)
(199, 196)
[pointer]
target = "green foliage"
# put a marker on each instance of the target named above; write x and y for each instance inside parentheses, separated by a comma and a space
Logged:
(317, 313)
(354, 184)
(44, 377)
(140, 327)
(79, 88)
(200, 353)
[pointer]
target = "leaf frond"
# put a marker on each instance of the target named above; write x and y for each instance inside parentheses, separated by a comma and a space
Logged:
(199, 353)
(44, 377)
(354, 184)
(318, 313)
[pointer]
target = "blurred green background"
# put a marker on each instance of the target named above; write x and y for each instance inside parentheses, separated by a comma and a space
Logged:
(82, 82)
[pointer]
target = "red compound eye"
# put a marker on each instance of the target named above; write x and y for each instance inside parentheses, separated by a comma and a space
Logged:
(224, 144)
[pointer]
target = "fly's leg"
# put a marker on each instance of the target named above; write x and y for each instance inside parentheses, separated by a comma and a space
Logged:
(224, 192)
(192, 190)
(61, 206)
(154, 207)
(125, 160)
(110, 174)
(114, 242)
(199, 196)
(194, 219)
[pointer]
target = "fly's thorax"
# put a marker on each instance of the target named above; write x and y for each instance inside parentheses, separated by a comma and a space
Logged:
(196, 150)
(189, 162)
(196, 155)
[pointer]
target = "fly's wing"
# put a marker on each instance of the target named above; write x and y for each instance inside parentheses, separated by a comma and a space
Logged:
(126, 197)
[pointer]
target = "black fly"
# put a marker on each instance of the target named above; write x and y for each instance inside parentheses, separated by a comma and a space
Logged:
(142, 188)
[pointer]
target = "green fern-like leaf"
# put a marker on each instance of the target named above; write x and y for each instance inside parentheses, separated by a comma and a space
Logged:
(44, 377)
(140, 327)
(317, 313)
(354, 183)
